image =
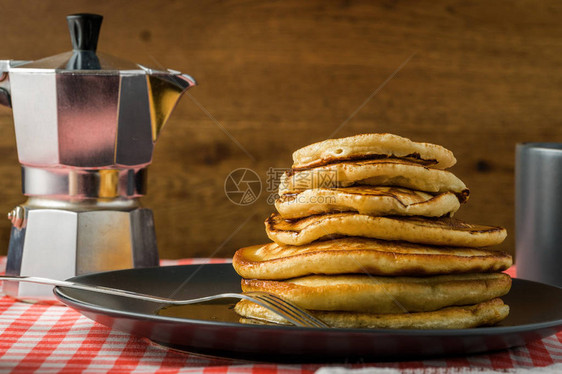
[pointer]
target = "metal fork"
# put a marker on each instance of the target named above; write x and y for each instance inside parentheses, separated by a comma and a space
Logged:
(279, 306)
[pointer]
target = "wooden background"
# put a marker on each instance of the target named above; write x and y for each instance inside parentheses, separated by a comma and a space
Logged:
(277, 75)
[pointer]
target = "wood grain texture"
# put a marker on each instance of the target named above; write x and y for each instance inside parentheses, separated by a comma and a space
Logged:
(278, 75)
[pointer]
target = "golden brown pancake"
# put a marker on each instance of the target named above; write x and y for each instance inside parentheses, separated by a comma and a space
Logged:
(361, 255)
(396, 173)
(371, 294)
(375, 201)
(372, 146)
(458, 317)
(434, 231)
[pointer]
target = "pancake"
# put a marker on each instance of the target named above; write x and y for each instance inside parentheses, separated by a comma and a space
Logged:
(434, 231)
(482, 314)
(396, 173)
(366, 146)
(371, 294)
(375, 201)
(360, 255)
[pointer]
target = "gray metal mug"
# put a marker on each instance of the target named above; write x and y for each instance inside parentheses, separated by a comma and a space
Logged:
(538, 212)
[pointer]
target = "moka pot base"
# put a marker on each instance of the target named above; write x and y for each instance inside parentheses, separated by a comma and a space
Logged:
(61, 238)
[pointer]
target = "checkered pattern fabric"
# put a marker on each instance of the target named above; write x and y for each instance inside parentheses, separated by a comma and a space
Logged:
(49, 339)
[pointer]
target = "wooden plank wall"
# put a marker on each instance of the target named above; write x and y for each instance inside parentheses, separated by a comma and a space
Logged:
(276, 75)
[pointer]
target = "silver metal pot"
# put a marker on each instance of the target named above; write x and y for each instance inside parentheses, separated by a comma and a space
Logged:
(85, 125)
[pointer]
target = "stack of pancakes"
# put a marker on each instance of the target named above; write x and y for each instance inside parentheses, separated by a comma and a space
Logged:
(364, 237)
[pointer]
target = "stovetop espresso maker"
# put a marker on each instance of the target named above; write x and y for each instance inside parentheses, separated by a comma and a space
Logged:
(85, 125)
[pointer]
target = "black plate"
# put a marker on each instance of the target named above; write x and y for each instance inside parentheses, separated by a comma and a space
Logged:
(536, 312)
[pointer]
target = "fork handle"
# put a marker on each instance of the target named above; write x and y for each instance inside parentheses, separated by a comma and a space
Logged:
(85, 287)
(116, 291)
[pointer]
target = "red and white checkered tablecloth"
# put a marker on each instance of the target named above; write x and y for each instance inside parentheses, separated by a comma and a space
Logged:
(44, 339)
